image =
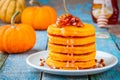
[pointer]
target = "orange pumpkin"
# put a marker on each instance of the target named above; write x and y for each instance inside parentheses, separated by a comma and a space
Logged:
(16, 38)
(39, 17)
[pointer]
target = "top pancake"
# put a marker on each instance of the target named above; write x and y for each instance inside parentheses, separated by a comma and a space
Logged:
(71, 31)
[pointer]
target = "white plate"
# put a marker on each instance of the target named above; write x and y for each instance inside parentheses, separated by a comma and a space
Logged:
(34, 60)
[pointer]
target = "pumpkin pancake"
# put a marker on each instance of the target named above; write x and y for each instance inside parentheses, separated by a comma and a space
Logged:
(74, 68)
(75, 49)
(70, 57)
(61, 64)
(76, 40)
(72, 31)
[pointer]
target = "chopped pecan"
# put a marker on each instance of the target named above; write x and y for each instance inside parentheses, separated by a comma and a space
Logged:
(69, 20)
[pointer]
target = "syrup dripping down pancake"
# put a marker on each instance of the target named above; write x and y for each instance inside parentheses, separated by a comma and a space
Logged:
(77, 57)
(71, 44)
(72, 31)
(61, 64)
(77, 40)
(76, 49)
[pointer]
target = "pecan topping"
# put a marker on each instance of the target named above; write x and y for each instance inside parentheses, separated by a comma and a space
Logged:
(69, 20)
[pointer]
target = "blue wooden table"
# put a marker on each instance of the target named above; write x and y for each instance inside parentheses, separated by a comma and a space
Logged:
(14, 66)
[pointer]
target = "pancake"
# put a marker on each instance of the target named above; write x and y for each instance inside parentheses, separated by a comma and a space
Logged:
(72, 31)
(70, 57)
(75, 49)
(77, 40)
(62, 64)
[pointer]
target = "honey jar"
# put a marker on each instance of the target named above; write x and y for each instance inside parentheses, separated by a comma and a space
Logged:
(111, 10)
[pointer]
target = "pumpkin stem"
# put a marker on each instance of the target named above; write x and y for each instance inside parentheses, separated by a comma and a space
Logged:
(34, 2)
(65, 6)
(13, 18)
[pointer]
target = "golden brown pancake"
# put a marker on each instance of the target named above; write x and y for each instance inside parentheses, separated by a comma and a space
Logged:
(66, 40)
(75, 49)
(70, 57)
(62, 64)
(72, 31)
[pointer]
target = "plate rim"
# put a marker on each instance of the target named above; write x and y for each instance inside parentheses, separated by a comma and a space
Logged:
(44, 69)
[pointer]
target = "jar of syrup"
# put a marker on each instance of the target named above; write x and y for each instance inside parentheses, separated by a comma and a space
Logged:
(111, 10)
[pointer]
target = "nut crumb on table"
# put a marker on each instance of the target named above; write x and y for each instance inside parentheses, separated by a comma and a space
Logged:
(42, 62)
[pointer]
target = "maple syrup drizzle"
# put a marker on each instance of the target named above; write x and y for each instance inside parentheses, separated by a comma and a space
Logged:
(67, 47)
(77, 68)
(72, 46)
(63, 31)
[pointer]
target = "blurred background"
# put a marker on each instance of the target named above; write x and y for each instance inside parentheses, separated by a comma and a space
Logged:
(80, 8)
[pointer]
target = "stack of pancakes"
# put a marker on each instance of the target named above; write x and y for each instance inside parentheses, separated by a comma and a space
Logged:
(71, 47)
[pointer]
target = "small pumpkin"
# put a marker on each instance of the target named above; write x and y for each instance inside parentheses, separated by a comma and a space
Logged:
(9, 7)
(16, 38)
(39, 17)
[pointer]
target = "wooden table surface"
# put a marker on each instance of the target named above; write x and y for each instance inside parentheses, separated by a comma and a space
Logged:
(14, 66)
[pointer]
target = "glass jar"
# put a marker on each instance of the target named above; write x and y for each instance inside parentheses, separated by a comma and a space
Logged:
(111, 10)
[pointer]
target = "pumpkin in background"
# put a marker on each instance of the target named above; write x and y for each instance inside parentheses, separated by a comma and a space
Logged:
(39, 17)
(16, 38)
(9, 7)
